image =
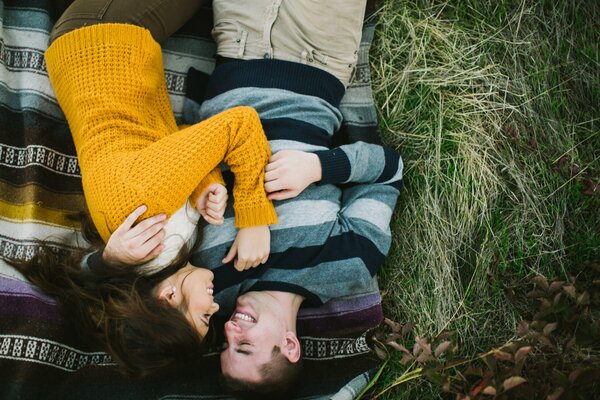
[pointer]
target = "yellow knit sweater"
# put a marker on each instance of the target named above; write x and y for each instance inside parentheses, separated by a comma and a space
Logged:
(110, 83)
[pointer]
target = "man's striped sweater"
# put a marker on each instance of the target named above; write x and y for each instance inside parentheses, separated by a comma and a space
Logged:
(329, 242)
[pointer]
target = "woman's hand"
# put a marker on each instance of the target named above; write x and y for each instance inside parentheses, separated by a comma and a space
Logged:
(133, 245)
(252, 246)
(212, 203)
(289, 172)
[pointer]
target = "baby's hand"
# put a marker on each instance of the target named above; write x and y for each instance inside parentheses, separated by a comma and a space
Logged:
(212, 203)
(133, 245)
(252, 246)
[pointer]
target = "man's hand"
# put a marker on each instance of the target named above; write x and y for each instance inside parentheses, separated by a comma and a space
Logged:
(289, 172)
(212, 203)
(132, 245)
(252, 246)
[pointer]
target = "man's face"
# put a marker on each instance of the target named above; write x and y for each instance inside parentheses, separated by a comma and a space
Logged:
(251, 334)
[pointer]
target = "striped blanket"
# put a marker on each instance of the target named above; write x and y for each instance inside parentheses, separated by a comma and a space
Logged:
(40, 191)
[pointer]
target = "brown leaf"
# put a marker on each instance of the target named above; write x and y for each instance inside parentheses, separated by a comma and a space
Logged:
(381, 353)
(557, 394)
(424, 357)
(535, 294)
(583, 299)
(545, 304)
(441, 348)
(575, 374)
(540, 282)
(522, 328)
(570, 343)
(570, 291)
(563, 160)
(489, 391)
(406, 329)
(503, 356)
(480, 386)
(544, 341)
(549, 328)
(416, 349)
(398, 347)
(392, 337)
(512, 382)
(554, 286)
(533, 144)
(575, 168)
(444, 335)
(392, 324)
(522, 353)
(424, 345)
(406, 359)
(446, 387)
(557, 298)
(589, 187)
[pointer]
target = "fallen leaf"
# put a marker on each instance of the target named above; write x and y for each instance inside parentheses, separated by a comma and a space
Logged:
(513, 382)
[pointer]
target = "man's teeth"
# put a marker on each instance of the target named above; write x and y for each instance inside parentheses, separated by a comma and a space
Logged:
(210, 291)
(245, 317)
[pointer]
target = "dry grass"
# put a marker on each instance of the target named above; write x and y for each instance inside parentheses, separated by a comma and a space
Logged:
(481, 111)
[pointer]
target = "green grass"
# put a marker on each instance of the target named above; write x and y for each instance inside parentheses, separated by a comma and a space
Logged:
(494, 107)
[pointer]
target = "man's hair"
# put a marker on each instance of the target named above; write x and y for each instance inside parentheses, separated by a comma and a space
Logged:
(279, 378)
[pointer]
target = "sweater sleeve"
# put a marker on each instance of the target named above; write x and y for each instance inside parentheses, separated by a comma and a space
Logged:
(361, 162)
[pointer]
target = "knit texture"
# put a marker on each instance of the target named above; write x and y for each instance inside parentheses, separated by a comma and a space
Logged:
(110, 83)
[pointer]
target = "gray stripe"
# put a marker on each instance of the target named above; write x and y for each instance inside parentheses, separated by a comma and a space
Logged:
(276, 103)
(27, 99)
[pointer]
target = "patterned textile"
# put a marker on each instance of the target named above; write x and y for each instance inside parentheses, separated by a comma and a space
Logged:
(40, 189)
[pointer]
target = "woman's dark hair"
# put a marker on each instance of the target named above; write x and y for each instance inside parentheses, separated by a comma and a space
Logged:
(116, 306)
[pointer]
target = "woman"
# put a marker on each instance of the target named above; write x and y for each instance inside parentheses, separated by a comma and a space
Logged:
(106, 69)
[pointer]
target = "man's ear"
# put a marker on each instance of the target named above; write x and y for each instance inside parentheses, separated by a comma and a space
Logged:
(292, 350)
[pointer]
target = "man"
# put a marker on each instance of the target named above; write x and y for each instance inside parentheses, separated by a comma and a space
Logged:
(329, 243)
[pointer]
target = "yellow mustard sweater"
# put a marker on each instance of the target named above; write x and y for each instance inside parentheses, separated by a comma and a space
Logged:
(110, 83)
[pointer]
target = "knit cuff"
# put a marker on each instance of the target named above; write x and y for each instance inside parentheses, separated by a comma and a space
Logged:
(214, 176)
(263, 214)
(335, 166)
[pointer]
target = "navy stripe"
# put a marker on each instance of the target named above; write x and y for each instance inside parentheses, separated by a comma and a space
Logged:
(298, 258)
(278, 74)
(335, 166)
(350, 133)
(296, 130)
(397, 184)
(391, 165)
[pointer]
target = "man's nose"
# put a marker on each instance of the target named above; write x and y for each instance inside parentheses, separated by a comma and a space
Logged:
(231, 328)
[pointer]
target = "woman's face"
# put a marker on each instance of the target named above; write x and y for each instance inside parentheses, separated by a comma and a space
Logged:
(190, 290)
